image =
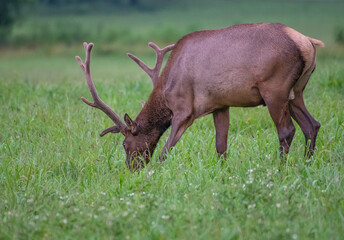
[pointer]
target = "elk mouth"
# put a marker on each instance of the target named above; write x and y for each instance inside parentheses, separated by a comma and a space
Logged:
(137, 161)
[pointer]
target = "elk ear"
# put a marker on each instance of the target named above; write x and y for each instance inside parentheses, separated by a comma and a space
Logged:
(130, 124)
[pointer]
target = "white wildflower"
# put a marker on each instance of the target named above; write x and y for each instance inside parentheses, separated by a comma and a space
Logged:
(102, 208)
(249, 181)
(109, 223)
(251, 206)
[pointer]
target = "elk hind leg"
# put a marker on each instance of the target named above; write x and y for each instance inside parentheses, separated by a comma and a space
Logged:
(304, 119)
(309, 126)
(221, 122)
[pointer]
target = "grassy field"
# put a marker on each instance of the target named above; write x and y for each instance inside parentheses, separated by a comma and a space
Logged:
(60, 180)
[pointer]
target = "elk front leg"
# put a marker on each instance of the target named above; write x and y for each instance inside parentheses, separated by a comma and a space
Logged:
(221, 122)
(179, 124)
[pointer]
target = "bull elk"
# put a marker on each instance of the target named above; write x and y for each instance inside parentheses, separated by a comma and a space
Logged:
(210, 71)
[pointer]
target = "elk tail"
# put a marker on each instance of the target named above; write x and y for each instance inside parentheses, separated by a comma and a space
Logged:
(316, 42)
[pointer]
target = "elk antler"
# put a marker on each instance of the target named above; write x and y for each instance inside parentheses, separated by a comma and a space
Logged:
(98, 103)
(160, 53)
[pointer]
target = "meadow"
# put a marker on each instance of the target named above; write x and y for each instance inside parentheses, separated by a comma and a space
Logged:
(60, 180)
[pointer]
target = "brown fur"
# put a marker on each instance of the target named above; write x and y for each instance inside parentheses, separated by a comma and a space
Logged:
(210, 71)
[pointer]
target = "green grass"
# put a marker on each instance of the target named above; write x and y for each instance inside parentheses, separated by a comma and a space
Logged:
(60, 180)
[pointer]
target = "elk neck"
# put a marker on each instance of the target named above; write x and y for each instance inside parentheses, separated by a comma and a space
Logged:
(154, 118)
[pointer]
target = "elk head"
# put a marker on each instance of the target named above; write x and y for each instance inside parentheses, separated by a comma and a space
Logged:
(137, 145)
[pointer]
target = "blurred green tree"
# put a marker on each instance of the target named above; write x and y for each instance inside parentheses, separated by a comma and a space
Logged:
(134, 2)
(61, 2)
(9, 12)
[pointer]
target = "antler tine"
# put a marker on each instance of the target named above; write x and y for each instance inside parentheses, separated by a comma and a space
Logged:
(98, 103)
(144, 67)
(160, 53)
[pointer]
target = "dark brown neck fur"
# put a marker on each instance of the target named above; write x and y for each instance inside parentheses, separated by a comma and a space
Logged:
(154, 119)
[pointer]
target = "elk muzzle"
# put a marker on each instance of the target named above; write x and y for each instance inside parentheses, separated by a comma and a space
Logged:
(136, 161)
